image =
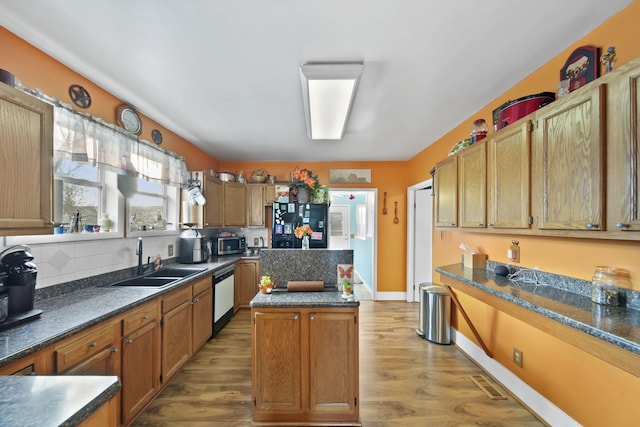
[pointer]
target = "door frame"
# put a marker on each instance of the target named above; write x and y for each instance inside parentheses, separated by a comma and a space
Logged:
(374, 255)
(411, 233)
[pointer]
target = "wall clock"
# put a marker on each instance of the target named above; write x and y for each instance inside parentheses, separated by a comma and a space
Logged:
(156, 136)
(128, 119)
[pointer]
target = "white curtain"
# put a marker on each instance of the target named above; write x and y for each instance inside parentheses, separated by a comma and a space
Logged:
(84, 138)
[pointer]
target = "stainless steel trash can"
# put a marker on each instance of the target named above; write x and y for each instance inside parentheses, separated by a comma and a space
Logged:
(435, 313)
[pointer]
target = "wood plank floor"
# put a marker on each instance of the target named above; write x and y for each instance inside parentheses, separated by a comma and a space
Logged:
(404, 380)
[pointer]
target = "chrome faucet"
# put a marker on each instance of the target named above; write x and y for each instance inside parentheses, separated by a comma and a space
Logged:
(141, 268)
(261, 242)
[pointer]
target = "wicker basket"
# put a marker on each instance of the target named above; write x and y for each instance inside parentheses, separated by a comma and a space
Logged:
(259, 176)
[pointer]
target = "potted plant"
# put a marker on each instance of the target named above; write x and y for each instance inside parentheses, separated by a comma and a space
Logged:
(266, 285)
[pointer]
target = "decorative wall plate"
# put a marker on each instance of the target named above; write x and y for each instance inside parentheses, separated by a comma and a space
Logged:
(156, 136)
(581, 67)
(79, 96)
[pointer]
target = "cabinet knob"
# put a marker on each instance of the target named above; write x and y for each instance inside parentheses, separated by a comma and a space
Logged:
(622, 225)
(480, 225)
(145, 317)
(128, 341)
(490, 225)
(196, 300)
(313, 317)
(591, 225)
(93, 345)
(114, 350)
(295, 317)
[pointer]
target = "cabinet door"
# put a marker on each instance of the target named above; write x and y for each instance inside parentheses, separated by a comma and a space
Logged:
(235, 204)
(213, 193)
(623, 154)
(103, 362)
(26, 137)
(472, 176)
(202, 317)
(140, 369)
(255, 205)
(176, 339)
(276, 356)
(509, 177)
(87, 348)
(333, 364)
(270, 194)
(246, 279)
(446, 189)
(568, 162)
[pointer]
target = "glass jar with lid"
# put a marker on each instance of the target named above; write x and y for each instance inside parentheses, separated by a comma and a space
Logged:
(479, 130)
(604, 286)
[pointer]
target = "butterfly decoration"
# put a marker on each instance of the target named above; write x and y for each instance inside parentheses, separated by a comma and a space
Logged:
(345, 271)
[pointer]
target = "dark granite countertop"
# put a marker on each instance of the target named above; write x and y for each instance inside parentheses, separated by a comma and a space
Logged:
(619, 326)
(42, 401)
(329, 298)
(72, 312)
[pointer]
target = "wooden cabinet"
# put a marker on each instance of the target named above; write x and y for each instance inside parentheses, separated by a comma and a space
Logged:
(316, 379)
(176, 331)
(26, 137)
(140, 358)
(202, 315)
(270, 194)
(472, 176)
(234, 204)
(94, 352)
(255, 205)
(568, 162)
(509, 177)
(623, 153)
(38, 363)
(446, 193)
(212, 210)
(246, 282)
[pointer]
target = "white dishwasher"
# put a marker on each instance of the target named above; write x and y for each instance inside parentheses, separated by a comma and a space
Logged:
(223, 297)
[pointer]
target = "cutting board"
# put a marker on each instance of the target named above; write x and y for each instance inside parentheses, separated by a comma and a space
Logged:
(305, 286)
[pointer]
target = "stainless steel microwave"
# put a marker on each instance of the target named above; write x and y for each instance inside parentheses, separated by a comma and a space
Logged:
(227, 245)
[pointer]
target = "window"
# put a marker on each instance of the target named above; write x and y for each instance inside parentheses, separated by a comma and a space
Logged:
(148, 207)
(78, 187)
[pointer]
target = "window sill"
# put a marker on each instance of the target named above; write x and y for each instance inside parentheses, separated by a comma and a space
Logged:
(62, 238)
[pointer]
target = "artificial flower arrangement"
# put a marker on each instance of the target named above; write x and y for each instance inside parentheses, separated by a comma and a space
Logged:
(266, 284)
(306, 178)
(302, 231)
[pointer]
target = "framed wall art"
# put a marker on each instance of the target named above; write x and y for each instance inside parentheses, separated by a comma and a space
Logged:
(349, 176)
(581, 67)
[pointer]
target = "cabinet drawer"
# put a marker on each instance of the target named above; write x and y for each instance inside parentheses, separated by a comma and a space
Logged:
(140, 316)
(85, 346)
(202, 285)
(176, 298)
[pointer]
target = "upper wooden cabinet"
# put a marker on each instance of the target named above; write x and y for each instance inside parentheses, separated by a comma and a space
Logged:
(235, 204)
(213, 192)
(226, 203)
(509, 177)
(472, 176)
(255, 205)
(568, 162)
(623, 153)
(26, 137)
(446, 192)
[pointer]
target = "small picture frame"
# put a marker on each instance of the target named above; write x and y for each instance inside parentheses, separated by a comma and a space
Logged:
(581, 67)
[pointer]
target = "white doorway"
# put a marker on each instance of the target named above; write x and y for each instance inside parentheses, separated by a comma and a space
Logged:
(353, 212)
(419, 238)
(339, 226)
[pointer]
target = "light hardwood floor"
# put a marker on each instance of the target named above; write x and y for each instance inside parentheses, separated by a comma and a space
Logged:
(404, 380)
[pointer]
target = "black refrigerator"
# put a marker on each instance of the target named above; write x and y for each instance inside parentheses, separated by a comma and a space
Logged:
(288, 216)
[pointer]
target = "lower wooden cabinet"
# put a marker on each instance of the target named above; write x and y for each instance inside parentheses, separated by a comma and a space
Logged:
(202, 316)
(246, 282)
(316, 379)
(94, 352)
(140, 358)
(176, 331)
(38, 363)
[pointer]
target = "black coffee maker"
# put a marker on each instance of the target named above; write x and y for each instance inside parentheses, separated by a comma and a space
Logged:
(19, 285)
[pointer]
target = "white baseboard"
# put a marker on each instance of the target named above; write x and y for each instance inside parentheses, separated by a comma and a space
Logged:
(543, 408)
(391, 296)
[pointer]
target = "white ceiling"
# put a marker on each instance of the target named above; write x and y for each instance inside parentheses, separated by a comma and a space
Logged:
(224, 74)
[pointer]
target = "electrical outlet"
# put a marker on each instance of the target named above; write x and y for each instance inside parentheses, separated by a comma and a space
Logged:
(256, 241)
(517, 357)
(170, 250)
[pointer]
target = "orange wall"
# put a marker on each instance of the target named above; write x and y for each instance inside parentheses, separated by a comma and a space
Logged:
(385, 176)
(35, 69)
(593, 392)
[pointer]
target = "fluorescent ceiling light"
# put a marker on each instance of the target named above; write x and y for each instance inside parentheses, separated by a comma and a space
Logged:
(328, 91)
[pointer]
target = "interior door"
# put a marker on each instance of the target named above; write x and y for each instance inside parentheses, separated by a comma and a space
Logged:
(339, 227)
(423, 240)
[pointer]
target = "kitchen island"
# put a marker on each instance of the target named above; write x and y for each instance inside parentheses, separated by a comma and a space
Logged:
(305, 354)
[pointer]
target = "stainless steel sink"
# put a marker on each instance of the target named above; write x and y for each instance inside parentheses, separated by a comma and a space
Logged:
(160, 278)
(154, 282)
(176, 272)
